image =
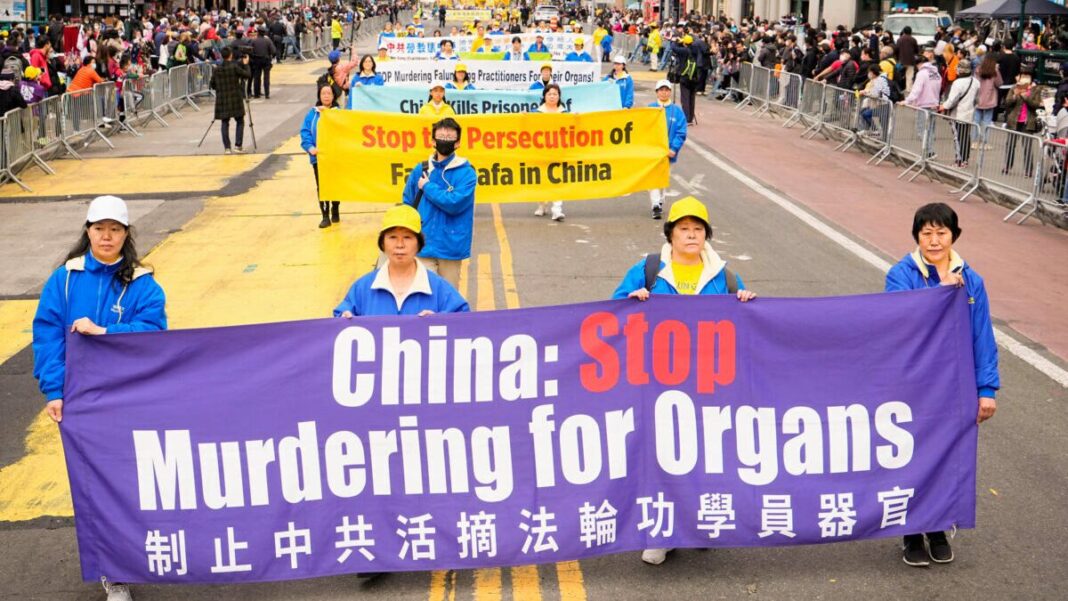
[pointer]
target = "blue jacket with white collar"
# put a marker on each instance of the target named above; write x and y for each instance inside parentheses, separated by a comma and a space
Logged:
(85, 287)
(913, 273)
(373, 295)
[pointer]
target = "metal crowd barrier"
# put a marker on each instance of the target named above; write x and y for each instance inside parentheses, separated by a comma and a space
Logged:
(1012, 163)
(79, 120)
(200, 80)
(760, 89)
(179, 88)
(47, 127)
(741, 89)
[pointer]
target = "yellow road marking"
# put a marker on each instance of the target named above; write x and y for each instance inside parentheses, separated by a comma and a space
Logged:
(126, 175)
(16, 319)
(206, 270)
(437, 585)
(511, 293)
(525, 584)
(462, 288)
(486, 300)
(488, 584)
(569, 576)
(36, 484)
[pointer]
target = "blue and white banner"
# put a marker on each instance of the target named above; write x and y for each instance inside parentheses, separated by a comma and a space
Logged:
(487, 75)
(559, 44)
(585, 98)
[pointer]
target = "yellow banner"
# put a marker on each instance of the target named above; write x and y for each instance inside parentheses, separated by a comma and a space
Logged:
(525, 157)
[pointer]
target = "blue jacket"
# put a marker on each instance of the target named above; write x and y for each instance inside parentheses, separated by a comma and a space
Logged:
(713, 276)
(626, 88)
(451, 85)
(309, 133)
(367, 80)
(447, 206)
(508, 55)
(536, 48)
(676, 122)
(606, 44)
(84, 287)
(578, 57)
(912, 273)
(372, 295)
(538, 85)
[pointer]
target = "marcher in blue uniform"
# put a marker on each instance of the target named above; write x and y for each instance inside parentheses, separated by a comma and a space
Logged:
(402, 285)
(934, 263)
(101, 288)
(579, 55)
(538, 45)
(367, 76)
(460, 80)
(546, 77)
(443, 189)
(676, 123)
(330, 211)
(622, 78)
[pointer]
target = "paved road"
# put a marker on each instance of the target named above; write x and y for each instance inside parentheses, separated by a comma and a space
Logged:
(253, 254)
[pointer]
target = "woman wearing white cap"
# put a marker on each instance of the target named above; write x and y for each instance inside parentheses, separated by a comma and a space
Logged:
(676, 124)
(622, 78)
(435, 103)
(101, 288)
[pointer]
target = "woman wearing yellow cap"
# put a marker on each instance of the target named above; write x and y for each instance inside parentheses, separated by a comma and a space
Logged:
(459, 79)
(687, 264)
(402, 286)
(435, 103)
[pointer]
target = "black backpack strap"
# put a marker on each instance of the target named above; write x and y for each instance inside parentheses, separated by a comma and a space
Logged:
(419, 192)
(652, 269)
(732, 281)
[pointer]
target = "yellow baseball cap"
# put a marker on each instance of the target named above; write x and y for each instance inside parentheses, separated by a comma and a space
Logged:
(688, 207)
(687, 39)
(461, 67)
(31, 72)
(402, 216)
(544, 66)
(579, 42)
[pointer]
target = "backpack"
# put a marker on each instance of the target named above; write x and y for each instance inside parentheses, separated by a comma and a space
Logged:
(895, 90)
(652, 268)
(180, 53)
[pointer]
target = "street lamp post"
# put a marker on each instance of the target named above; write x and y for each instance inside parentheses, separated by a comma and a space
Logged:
(1023, 18)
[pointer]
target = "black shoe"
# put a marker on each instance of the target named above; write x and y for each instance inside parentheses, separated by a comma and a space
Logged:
(335, 211)
(657, 212)
(915, 552)
(324, 209)
(938, 547)
(325, 222)
(267, 96)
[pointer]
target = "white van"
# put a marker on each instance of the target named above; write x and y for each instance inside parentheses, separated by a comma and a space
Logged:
(924, 22)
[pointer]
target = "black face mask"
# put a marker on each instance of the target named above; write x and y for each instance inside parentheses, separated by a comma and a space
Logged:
(445, 147)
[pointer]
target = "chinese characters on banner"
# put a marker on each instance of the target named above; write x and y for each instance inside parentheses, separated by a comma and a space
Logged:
(302, 449)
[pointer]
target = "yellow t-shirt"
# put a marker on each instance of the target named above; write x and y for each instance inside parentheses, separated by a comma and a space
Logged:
(686, 277)
(437, 111)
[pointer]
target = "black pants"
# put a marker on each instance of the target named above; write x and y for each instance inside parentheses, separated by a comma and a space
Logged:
(441, 21)
(335, 42)
(324, 205)
(1010, 157)
(687, 96)
(240, 127)
(261, 74)
(702, 79)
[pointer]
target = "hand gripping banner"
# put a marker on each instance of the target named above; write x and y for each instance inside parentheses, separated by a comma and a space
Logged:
(585, 98)
(293, 450)
(525, 157)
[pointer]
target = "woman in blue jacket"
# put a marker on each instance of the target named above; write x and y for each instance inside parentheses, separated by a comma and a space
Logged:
(935, 263)
(367, 76)
(623, 80)
(687, 263)
(101, 288)
(331, 211)
(676, 124)
(403, 285)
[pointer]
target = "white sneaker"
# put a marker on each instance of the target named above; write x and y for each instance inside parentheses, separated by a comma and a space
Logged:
(558, 214)
(540, 211)
(118, 592)
(655, 556)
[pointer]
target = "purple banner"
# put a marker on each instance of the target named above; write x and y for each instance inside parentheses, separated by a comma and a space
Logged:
(293, 450)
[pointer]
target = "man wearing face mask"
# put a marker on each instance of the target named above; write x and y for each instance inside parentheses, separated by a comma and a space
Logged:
(442, 189)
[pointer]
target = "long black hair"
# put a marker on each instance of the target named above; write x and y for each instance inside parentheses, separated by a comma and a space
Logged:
(129, 263)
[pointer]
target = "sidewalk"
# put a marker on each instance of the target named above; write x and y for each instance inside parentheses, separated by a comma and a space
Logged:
(1023, 265)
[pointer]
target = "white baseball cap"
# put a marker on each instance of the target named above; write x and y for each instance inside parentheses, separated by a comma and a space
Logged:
(108, 207)
(383, 46)
(663, 83)
(620, 59)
